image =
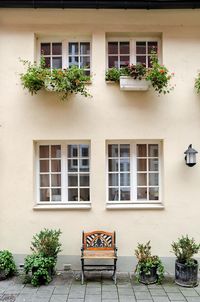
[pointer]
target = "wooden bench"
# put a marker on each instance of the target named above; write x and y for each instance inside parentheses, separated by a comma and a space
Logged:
(98, 245)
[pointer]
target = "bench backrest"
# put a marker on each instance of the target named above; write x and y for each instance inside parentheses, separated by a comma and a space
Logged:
(98, 240)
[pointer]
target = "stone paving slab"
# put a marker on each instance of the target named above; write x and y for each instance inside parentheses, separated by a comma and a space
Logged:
(66, 287)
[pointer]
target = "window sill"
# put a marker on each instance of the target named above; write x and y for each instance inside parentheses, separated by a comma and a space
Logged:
(135, 206)
(70, 206)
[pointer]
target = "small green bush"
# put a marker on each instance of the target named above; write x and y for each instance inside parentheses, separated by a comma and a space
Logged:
(7, 264)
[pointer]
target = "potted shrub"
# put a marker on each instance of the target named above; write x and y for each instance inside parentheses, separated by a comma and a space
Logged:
(64, 81)
(41, 265)
(149, 268)
(7, 265)
(186, 267)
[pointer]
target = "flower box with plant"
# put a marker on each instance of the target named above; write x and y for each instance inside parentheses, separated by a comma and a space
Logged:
(63, 81)
(7, 265)
(138, 77)
(149, 268)
(186, 267)
(40, 266)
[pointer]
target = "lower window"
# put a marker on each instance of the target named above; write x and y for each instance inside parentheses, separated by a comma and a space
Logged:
(63, 172)
(134, 171)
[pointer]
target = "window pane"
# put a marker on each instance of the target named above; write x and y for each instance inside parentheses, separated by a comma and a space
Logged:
(141, 179)
(124, 48)
(113, 165)
(55, 180)
(57, 62)
(125, 194)
(84, 165)
(44, 195)
(153, 150)
(124, 61)
(141, 60)
(73, 49)
(141, 150)
(44, 166)
(44, 151)
(112, 61)
(124, 164)
(73, 194)
(56, 194)
(72, 150)
(113, 194)
(152, 46)
(56, 151)
(140, 47)
(73, 61)
(72, 180)
(47, 62)
(55, 166)
(153, 164)
(113, 180)
(141, 165)
(112, 150)
(56, 48)
(153, 193)
(112, 47)
(84, 194)
(44, 180)
(84, 151)
(72, 165)
(142, 193)
(45, 49)
(153, 179)
(125, 179)
(124, 150)
(85, 62)
(84, 180)
(85, 48)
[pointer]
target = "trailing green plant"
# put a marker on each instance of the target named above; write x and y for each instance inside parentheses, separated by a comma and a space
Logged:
(197, 83)
(184, 249)
(113, 74)
(146, 262)
(159, 76)
(7, 264)
(39, 269)
(46, 243)
(64, 81)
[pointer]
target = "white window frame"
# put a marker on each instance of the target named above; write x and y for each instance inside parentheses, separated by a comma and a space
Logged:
(132, 41)
(133, 202)
(65, 41)
(64, 173)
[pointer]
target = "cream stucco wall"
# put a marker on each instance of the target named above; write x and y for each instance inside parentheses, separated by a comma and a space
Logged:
(110, 114)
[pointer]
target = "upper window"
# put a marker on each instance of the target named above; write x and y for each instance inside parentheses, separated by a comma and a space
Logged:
(66, 54)
(63, 173)
(133, 51)
(134, 172)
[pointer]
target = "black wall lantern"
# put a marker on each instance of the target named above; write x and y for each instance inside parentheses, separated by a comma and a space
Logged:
(190, 156)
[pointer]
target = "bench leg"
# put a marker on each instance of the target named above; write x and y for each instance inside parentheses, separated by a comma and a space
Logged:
(82, 271)
(114, 273)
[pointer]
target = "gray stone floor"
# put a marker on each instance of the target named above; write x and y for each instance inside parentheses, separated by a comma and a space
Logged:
(66, 287)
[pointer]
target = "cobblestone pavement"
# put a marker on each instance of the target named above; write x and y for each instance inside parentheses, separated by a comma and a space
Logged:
(66, 287)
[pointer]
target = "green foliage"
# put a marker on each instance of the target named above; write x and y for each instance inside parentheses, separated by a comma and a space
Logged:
(159, 76)
(46, 243)
(40, 268)
(7, 263)
(66, 81)
(146, 262)
(197, 83)
(184, 249)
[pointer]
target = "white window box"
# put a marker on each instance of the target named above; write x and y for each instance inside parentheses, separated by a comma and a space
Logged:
(130, 84)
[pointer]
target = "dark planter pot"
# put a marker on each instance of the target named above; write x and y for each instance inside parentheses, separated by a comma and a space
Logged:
(150, 278)
(3, 274)
(186, 275)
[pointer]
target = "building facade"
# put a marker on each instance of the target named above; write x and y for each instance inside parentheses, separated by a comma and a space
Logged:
(113, 161)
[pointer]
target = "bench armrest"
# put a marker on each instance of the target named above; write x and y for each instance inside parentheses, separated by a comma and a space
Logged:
(115, 250)
(82, 250)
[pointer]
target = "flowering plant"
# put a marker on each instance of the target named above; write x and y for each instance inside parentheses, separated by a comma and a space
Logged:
(66, 81)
